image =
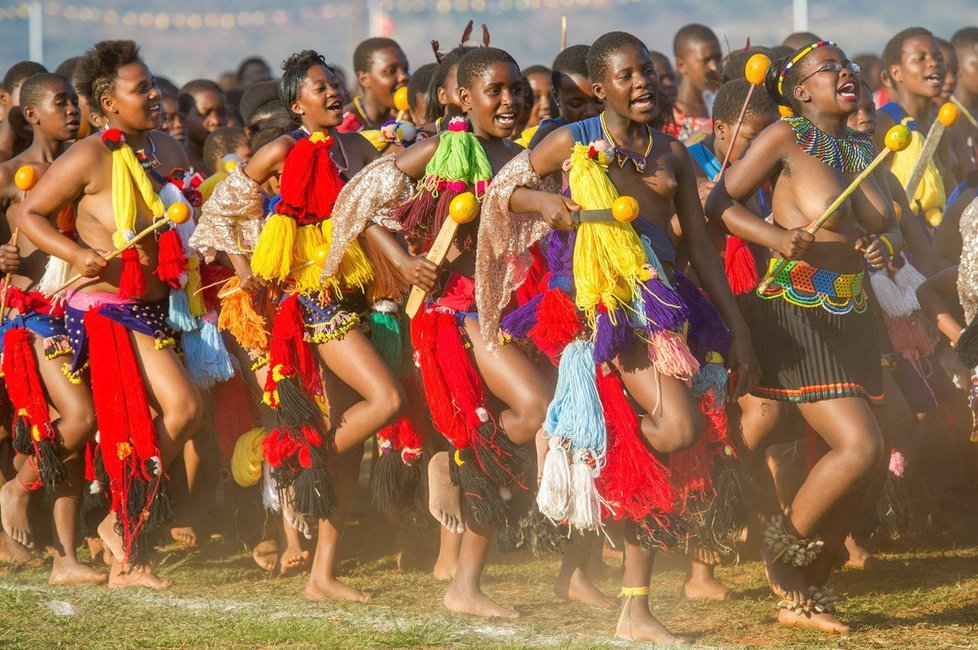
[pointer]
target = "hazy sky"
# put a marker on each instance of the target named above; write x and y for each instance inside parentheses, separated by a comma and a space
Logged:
(531, 35)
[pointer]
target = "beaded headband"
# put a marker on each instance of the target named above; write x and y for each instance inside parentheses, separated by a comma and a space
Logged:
(795, 59)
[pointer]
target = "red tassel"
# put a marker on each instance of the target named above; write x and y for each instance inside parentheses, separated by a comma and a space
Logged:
(557, 324)
(633, 480)
(288, 349)
(170, 261)
(132, 284)
(740, 266)
(415, 215)
(26, 393)
(236, 414)
(535, 278)
(310, 181)
(212, 277)
(814, 447)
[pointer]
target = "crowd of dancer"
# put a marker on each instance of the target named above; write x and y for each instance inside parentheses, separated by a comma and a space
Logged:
(567, 308)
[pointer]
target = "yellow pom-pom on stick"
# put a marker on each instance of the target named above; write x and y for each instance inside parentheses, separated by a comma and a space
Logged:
(177, 213)
(463, 209)
(25, 178)
(947, 115)
(754, 70)
(896, 139)
(624, 209)
(401, 102)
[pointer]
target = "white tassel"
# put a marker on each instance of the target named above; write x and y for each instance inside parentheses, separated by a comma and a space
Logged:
(554, 493)
(894, 300)
(586, 502)
(56, 273)
(908, 277)
(269, 490)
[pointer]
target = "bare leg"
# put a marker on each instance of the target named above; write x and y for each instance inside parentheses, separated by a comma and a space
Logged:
(322, 583)
(294, 557)
(67, 569)
(444, 499)
(636, 622)
(464, 594)
(449, 547)
(573, 582)
(700, 583)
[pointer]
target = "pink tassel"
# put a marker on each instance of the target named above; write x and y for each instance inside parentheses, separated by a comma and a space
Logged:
(671, 357)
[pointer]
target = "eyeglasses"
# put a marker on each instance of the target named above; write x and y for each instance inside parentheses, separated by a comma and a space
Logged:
(835, 66)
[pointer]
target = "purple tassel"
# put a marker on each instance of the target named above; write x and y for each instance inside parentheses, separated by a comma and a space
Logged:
(560, 261)
(663, 307)
(517, 323)
(613, 335)
(707, 330)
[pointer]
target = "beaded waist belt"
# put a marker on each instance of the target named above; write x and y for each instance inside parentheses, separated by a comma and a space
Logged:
(807, 286)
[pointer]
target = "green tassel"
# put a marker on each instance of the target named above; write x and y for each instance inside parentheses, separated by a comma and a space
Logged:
(385, 334)
(459, 156)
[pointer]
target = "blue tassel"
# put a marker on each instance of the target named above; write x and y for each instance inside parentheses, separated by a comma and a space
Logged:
(206, 356)
(711, 376)
(179, 317)
(575, 414)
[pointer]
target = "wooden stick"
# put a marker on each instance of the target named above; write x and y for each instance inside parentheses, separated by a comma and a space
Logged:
(964, 111)
(6, 282)
(116, 253)
(436, 255)
(563, 33)
(740, 121)
(814, 227)
(931, 143)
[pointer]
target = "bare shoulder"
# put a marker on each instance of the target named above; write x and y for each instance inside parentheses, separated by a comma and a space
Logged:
(358, 149)
(413, 160)
(169, 151)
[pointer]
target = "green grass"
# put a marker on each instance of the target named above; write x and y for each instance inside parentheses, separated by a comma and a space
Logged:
(220, 599)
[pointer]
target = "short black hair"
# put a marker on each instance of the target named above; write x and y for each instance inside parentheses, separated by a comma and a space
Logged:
(733, 68)
(572, 61)
(294, 70)
(220, 142)
(67, 67)
(259, 100)
(420, 82)
(251, 60)
(798, 40)
(689, 35)
(168, 89)
(866, 60)
(477, 60)
(536, 68)
(276, 124)
(434, 109)
(730, 98)
(894, 47)
(18, 72)
(964, 38)
(99, 68)
(602, 48)
(363, 55)
(185, 99)
(37, 85)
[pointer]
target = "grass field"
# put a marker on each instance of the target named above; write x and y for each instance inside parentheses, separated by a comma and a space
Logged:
(220, 599)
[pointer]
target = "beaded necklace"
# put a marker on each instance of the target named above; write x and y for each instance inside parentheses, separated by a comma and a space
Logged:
(147, 157)
(623, 156)
(848, 154)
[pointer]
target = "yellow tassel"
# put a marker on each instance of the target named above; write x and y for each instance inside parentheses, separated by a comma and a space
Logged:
(930, 196)
(207, 187)
(247, 457)
(272, 259)
(608, 257)
(195, 297)
(307, 240)
(128, 177)
(355, 269)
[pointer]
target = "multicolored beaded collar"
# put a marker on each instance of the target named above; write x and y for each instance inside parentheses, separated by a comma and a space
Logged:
(848, 154)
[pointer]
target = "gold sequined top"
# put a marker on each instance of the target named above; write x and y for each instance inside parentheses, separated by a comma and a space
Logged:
(503, 257)
(968, 268)
(231, 219)
(370, 197)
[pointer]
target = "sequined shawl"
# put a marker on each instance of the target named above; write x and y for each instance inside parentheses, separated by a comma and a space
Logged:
(370, 197)
(968, 267)
(231, 219)
(503, 257)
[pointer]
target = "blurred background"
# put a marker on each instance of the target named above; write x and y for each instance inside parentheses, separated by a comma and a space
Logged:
(184, 39)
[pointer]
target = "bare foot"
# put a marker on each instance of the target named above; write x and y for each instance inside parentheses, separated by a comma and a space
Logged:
(444, 569)
(293, 559)
(184, 535)
(444, 499)
(704, 588)
(265, 554)
(787, 582)
(111, 539)
(13, 553)
(637, 623)
(323, 589)
(578, 587)
(824, 621)
(475, 603)
(136, 577)
(294, 519)
(14, 498)
(68, 572)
